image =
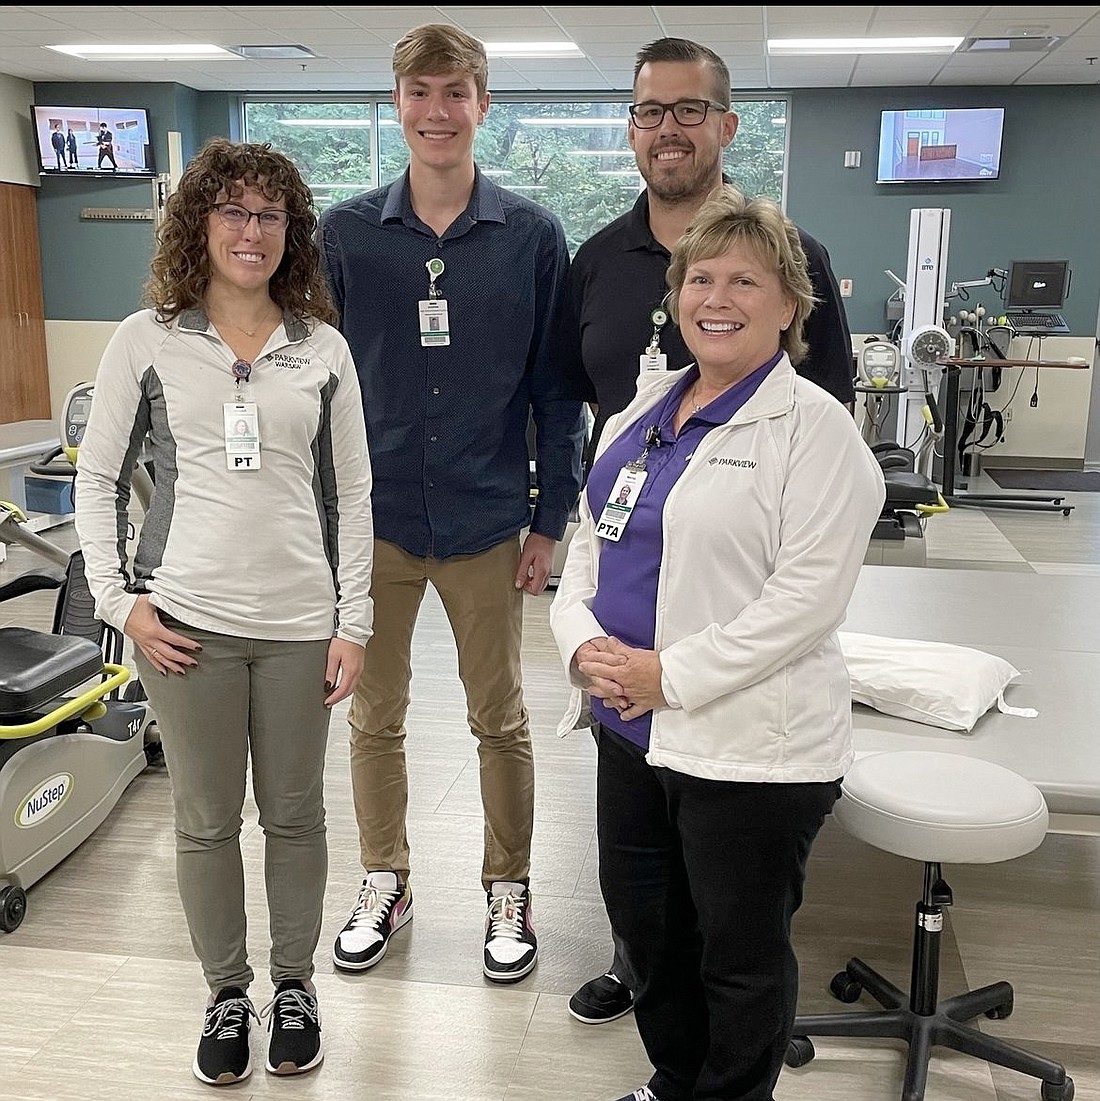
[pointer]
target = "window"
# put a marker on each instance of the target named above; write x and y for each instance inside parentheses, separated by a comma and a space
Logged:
(569, 155)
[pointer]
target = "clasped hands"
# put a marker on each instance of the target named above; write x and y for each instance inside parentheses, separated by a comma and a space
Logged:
(624, 677)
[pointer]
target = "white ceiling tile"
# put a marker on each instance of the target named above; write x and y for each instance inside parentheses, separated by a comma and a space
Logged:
(354, 42)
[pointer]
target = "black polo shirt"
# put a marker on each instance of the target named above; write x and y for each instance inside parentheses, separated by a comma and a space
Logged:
(618, 276)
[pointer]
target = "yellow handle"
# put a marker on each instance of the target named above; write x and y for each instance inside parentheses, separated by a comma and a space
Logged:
(929, 510)
(85, 703)
(15, 510)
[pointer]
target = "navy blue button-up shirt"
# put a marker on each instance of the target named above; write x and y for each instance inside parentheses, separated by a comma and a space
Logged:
(448, 426)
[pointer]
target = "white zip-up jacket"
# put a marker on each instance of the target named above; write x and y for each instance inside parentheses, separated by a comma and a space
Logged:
(764, 536)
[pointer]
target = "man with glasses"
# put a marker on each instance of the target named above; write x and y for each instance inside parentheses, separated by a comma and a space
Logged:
(680, 123)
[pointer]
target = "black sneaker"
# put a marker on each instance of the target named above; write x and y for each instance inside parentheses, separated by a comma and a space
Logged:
(511, 946)
(600, 1000)
(383, 906)
(294, 1029)
(642, 1093)
(223, 1056)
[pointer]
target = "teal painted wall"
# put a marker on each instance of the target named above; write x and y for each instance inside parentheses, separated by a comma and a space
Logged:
(1044, 205)
(96, 270)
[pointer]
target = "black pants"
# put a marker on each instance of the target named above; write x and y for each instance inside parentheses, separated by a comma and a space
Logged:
(701, 879)
(620, 968)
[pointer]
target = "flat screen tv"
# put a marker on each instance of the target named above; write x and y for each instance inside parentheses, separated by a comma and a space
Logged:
(93, 141)
(940, 145)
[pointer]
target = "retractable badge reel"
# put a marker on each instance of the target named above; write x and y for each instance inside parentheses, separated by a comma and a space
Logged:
(625, 490)
(435, 329)
(653, 359)
(242, 425)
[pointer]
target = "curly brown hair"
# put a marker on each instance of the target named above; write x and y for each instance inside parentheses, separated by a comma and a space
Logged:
(180, 271)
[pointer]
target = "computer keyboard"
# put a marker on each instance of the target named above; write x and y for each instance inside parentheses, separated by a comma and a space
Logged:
(1028, 322)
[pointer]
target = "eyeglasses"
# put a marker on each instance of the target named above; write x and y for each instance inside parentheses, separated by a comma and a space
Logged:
(687, 112)
(234, 216)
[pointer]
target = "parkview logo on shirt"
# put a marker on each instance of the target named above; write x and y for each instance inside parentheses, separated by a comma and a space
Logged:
(747, 464)
(291, 363)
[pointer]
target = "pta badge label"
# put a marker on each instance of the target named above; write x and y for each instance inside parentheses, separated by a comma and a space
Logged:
(44, 800)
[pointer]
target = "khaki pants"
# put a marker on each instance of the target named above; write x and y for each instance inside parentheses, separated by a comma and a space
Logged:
(485, 611)
(259, 704)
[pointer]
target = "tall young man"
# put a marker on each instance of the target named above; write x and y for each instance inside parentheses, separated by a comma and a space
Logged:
(680, 124)
(451, 292)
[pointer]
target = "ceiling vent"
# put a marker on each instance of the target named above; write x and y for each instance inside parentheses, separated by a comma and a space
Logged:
(273, 53)
(1009, 43)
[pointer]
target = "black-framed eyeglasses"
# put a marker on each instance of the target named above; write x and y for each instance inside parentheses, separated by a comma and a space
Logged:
(235, 216)
(687, 112)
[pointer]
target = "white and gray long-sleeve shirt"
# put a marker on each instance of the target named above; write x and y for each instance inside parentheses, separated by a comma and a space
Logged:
(283, 552)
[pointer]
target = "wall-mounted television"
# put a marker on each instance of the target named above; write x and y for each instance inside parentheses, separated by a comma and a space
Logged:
(93, 141)
(940, 145)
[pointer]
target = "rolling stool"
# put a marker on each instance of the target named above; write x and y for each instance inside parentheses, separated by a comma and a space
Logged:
(934, 807)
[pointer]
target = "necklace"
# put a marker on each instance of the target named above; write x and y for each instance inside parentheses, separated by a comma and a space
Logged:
(249, 332)
(696, 402)
(696, 405)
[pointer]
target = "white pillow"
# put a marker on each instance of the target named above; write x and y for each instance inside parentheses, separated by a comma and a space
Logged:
(935, 683)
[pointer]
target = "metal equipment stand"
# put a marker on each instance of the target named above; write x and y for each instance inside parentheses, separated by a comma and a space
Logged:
(1030, 502)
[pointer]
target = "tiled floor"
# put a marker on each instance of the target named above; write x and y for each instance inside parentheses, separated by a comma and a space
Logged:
(102, 997)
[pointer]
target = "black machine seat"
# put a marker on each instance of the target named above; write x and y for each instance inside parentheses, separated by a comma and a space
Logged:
(36, 668)
(907, 489)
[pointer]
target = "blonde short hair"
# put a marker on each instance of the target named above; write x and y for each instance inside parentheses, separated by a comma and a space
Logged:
(436, 49)
(728, 217)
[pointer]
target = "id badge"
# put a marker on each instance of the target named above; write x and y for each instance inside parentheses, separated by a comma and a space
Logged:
(242, 435)
(435, 330)
(620, 505)
(652, 361)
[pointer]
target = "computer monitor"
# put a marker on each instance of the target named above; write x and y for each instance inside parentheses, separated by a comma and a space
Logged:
(1037, 285)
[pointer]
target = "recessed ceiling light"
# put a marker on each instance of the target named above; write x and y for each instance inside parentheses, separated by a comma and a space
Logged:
(273, 53)
(179, 51)
(533, 49)
(863, 45)
(1025, 43)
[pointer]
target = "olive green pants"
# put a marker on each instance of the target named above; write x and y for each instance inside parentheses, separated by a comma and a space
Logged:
(250, 705)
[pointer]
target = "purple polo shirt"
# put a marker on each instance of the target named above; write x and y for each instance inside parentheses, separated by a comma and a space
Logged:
(626, 597)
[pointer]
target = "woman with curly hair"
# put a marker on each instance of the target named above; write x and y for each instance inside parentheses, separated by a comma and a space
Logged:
(247, 600)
